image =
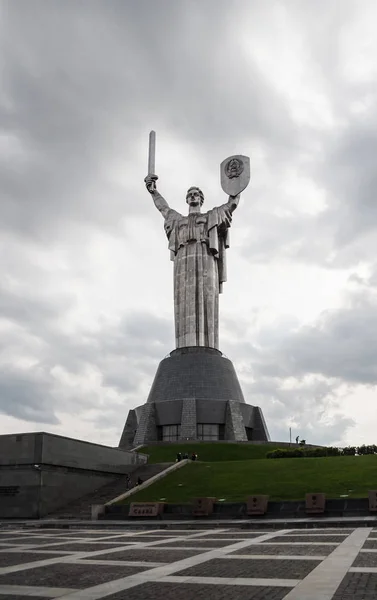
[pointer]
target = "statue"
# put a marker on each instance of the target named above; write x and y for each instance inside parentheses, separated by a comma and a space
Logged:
(197, 244)
(196, 394)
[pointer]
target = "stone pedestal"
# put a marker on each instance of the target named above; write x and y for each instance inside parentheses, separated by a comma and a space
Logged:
(195, 395)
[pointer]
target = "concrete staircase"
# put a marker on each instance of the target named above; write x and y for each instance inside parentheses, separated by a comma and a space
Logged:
(81, 508)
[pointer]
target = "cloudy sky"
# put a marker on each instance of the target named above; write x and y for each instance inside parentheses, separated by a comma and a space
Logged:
(86, 310)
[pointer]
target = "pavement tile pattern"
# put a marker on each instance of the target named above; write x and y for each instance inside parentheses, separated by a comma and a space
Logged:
(264, 569)
(370, 545)
(186, 564)
(8, 559)
(296, 539)
(17, 597)
(89, 546)
(173, 591)
(197, 543)
(35, 541)
(149, 555)
(286, 550)
(74, 575)
(357, 586)
(366, 559)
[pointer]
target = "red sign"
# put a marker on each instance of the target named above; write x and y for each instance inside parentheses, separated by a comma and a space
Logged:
(372, 494)
(203, 507)
(315, 503)
(146, 509)
(257, 505)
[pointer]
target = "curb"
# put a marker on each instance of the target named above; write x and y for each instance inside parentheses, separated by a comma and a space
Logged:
(149, 482)
(202, 523)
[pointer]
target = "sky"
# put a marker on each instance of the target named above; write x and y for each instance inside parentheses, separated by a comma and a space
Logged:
(86, 293)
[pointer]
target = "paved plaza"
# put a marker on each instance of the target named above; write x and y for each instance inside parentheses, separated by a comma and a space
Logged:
(182, 564)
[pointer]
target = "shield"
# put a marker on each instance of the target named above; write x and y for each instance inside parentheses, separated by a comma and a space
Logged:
(235, 174)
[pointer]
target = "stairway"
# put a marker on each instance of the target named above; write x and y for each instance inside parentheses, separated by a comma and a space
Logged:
(81, 508)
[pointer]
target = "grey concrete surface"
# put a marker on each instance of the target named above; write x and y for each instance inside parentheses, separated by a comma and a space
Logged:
(133, 564)
(39, 472)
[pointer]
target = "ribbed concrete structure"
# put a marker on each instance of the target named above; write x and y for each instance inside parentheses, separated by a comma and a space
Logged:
(195, 395)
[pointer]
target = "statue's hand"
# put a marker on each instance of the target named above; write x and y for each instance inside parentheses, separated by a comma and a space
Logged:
(150, 183)
(233, 202)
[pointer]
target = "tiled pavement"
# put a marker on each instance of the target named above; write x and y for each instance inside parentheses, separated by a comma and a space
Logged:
(117, 564)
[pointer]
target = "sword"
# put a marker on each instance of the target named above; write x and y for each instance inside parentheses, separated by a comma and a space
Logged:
(152, 157)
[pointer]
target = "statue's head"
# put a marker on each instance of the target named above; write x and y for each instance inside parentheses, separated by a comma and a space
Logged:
(194, 196)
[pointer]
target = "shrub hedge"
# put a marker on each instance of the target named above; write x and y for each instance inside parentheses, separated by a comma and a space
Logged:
(299, 452)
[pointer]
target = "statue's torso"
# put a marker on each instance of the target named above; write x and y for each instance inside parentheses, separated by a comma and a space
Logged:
(192, 228)
(186, 229)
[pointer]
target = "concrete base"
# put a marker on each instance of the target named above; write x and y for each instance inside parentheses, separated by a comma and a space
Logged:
(198, 523)
(40, 472)
(336, 508)
(194, 388)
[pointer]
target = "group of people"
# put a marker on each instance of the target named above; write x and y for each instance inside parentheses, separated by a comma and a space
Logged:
(185, 456)
(129, 482)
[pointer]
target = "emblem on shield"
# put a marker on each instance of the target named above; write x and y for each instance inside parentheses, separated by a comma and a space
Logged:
(234, 168)
(235, 174)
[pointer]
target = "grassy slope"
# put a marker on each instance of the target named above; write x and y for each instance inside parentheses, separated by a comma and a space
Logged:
(207, 452)
(281, 479)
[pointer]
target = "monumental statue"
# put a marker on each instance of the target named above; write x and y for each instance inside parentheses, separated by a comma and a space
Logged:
(196, 394)
(197, 244)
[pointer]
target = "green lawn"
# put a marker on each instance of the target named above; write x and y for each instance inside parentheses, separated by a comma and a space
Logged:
(281, 479)
(208, 452)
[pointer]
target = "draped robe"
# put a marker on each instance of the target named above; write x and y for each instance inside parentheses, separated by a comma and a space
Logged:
(197, 244)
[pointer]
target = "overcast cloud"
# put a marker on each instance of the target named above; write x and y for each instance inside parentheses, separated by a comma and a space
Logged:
(86, 310)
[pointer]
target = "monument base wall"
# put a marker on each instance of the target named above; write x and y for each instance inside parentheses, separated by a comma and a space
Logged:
(195, 395)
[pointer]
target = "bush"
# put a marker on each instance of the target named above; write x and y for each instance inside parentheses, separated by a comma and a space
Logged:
(349, 451)
(317, 452)
(372, 449)
(303, 452)
(331, 451)
(286, 453)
